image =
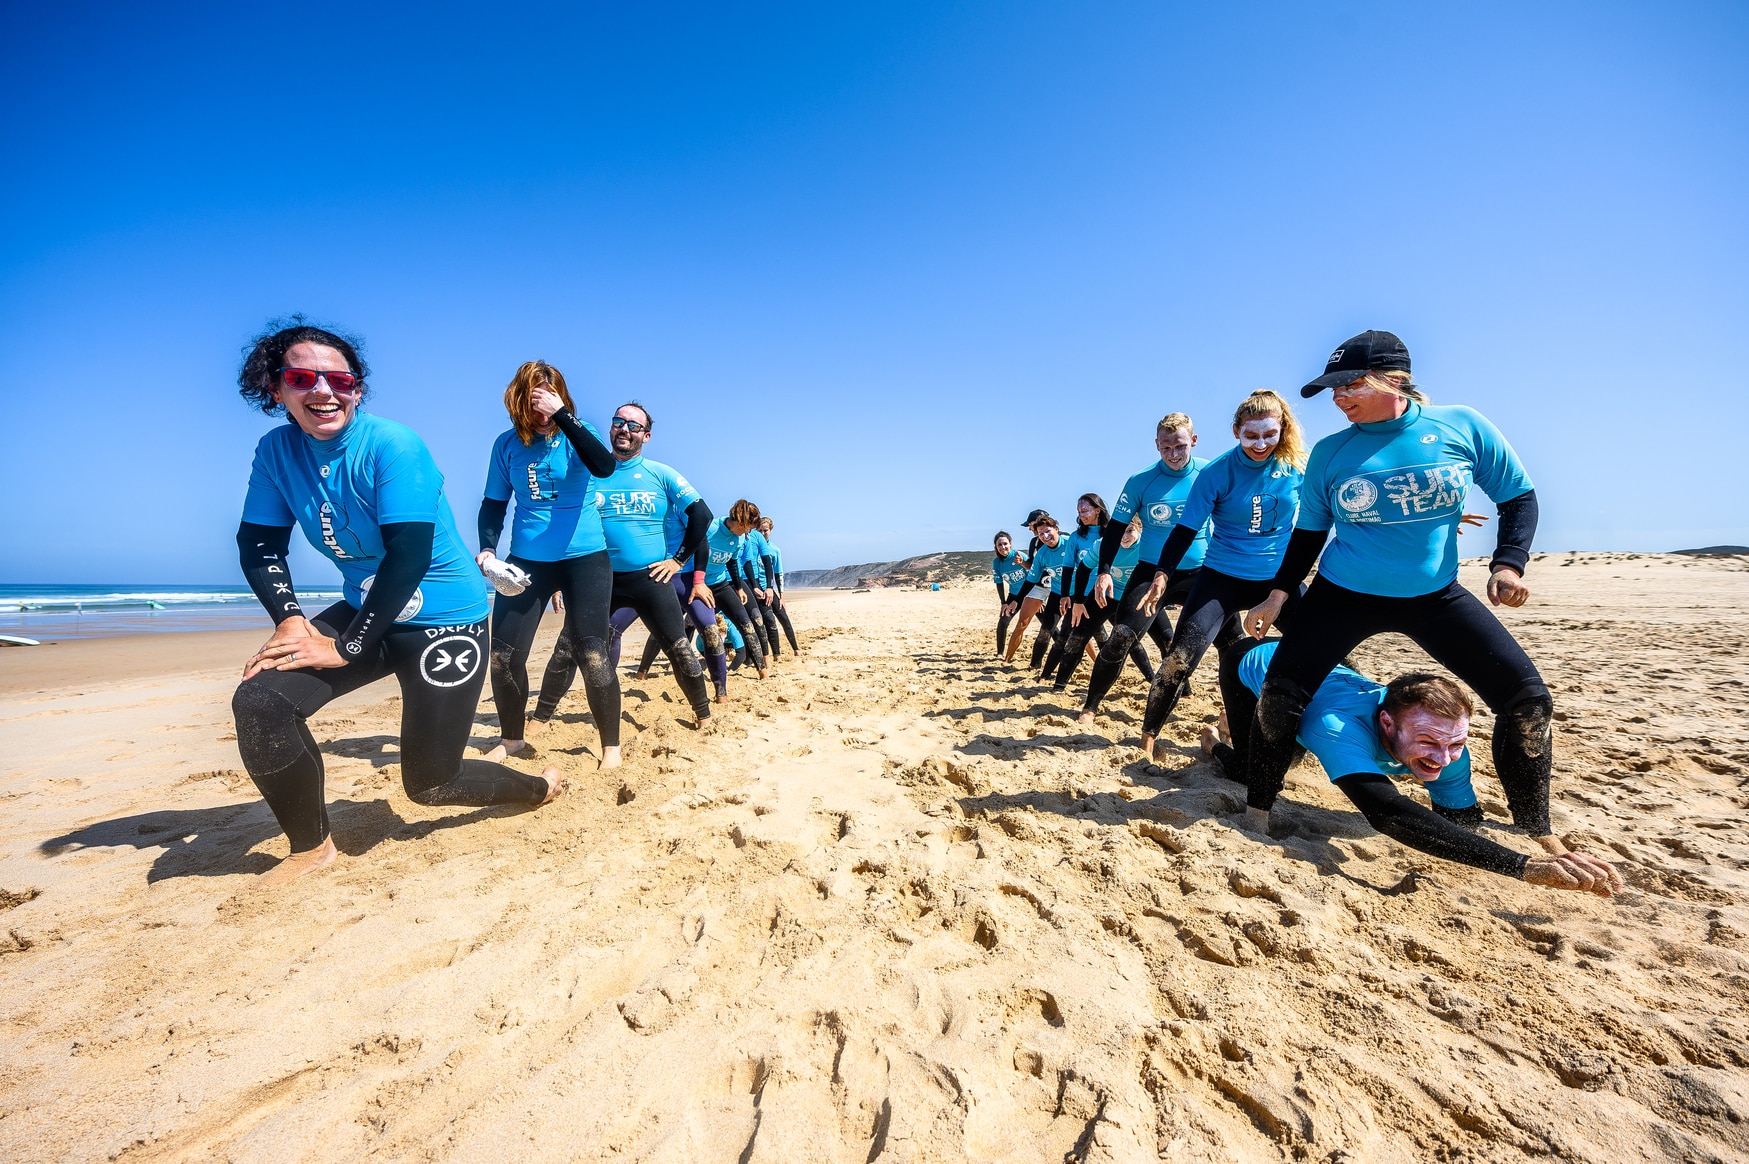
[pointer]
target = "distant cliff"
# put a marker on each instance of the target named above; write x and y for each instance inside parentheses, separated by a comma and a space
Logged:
(947, 566)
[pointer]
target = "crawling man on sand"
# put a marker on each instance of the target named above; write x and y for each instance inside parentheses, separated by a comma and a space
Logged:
(1364, 733)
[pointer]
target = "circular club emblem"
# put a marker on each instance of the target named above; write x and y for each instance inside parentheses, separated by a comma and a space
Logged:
(1357, 494)
(1160, 511)
(450, 662)
(414, 604)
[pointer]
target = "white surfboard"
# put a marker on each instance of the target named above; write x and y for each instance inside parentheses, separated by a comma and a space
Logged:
(17, 641)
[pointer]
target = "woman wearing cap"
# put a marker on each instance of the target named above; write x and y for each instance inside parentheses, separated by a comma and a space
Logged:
(1048, 561)
(1248, 495)
(1392, 487)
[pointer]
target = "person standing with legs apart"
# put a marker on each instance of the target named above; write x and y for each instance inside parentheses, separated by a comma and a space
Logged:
(1048, 561)
(547, 461)
(368, 497)
(635, 502)
(756, 569)
(1009, 570)
(1086, 620)
(1392, 484)
(778, 606)
(1248, 496)
(1158, 493)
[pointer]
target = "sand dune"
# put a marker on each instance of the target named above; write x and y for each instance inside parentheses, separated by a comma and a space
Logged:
(895, 906)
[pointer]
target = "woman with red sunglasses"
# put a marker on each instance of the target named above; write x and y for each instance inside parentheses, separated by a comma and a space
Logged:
(368, 497)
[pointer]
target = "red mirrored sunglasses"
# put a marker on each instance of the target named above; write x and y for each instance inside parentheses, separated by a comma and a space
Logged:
(304, 379)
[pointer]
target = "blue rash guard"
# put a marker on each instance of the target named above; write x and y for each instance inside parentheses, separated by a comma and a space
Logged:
(724, 547)
(1394, 490)
(1083, 551)
(556, 516)
(1251, 506)
(752, 547)
(341, 491)
(1009, 572)
(634, 505)
(1158, 493)
(1340, 728)
(1122, 567)
(1048, 562)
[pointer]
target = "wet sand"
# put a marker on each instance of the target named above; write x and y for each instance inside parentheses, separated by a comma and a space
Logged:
(894, 905)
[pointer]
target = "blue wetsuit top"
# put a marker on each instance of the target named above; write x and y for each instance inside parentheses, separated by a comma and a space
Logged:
(1048, 562)
(1340, 728)
(634, 505)
(776, 554)
(1008, 572)
(1395, 490)
(1083, 551)
(1250, 506)
(556, 516)
(1158, 493)
(724, 547)
(341, 491)
(752, 547)
(1122, 567)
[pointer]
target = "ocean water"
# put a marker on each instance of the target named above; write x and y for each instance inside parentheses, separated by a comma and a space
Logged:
(58, 613)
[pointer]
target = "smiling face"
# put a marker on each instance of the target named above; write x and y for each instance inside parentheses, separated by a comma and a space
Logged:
(1003, 547)
(1047, 534)
(1175, 446)
(320, 411)
(1085, 512)
(1361, 403)
(1423, 742)
(1132, 533)
(1259, 437)
(626, 443)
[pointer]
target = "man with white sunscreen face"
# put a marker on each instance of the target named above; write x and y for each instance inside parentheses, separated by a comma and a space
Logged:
(1417, 727)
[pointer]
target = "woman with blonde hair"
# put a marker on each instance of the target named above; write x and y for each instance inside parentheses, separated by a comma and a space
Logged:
(1249, 495)
(548, 461)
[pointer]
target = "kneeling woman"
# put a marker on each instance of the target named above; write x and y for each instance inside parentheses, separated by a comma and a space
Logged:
(369, 497)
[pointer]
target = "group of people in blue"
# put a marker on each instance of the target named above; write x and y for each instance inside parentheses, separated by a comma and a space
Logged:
(598, 529)
(1377, 508)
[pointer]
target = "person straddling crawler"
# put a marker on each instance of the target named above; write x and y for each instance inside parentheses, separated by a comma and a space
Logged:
(368, 497)
(1049, 560)
(547, 461)
(635, 502)
(1392, 485)
(1086, 620)
(1158, 493)
(1365, 734)
(1008, 568)
(724, 544)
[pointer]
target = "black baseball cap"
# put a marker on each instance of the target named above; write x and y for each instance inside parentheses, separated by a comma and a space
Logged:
(1034, 516)
(1370, 351)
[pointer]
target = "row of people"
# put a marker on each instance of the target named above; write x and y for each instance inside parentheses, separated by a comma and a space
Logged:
(618, 536)
(1377, 507)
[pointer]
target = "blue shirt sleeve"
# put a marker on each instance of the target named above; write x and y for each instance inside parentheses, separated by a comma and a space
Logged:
(1498, 473)
(1200, 505)
(264, 504)
(681, 494)
(1127, 499)
(1315, 492)
(498, 487)
(408, 483)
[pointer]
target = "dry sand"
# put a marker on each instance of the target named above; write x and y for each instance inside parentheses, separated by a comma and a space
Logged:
(895, 907)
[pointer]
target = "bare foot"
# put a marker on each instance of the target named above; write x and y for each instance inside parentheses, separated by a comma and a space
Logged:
(1210, 738)
(1147, 747)
(610, 757)
(641, 676)
(298, 864)
(506, 749)
(722, 697)
(1085, 719)
(534, 729)
(765, 672)
(555, 785)
(1226, 731)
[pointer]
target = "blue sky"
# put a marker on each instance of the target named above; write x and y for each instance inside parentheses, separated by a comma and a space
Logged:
(898, 272)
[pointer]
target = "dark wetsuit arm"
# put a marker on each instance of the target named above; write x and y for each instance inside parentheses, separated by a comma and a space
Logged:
(1078, 585)
(1517, 528)
(1405, 821)
(1110, 541)
(1303, 548)
(770, 570)
(1176, 544)
(406, 558)
(597, 457)
(491, 521)
(261, 551)
(698, 527)
(735, 572)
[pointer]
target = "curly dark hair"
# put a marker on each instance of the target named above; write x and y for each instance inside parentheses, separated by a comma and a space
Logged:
(265, 355)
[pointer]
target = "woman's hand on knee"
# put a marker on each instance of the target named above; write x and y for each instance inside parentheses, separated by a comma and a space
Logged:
(294, 647)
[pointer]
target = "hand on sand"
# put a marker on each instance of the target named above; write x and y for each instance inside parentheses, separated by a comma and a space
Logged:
(296, 644)
(298, 864)
(504, 749)
(1574, 871)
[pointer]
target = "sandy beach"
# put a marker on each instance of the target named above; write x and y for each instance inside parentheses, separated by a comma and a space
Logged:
(893, 904)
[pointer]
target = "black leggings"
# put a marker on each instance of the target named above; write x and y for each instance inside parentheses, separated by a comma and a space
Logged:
(1047, 628)
(1440, 832)
(736, 612)
(781, 610)
(441, 671)
(1451, 625)
(665, 619)
(1072, 644)
(761, 610)
(586, 583)
(1129, 624)
(1210, 614)
(1003, 618)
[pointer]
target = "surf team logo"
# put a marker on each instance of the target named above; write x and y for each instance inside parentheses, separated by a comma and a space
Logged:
(1357, 495)
(1160, 512)
(449, 661)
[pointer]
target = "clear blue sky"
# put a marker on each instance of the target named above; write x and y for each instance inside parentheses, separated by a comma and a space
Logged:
(898, 272)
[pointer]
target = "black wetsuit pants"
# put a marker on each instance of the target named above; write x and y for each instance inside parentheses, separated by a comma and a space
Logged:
(781, 610)
(1460, 633)
(663, 616)
(1074, 640)
(1129, 624)
(1211, 614)
(441, 671)
(745, 621)
(1003, 618)
(761, 610)
(586, 583)
(1046, 637)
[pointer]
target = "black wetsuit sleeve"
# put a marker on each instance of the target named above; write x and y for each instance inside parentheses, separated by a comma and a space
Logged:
(597, 457)
(1408, 823)
(1176, 544)
(698, 527)
(1517, 528)
(1303, 548)
(1001, 592)
(261, 551)
(770, 568)
(1110, 541)
(406, 558)
(735, 572)
(1078, 586)
(491, 521)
